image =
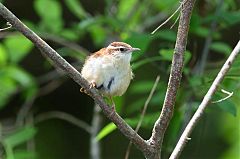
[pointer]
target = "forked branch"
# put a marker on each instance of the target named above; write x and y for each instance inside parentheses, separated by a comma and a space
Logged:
(62, 64)
(174, 80)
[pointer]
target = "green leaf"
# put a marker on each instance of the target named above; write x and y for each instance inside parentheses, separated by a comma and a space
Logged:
(50, 12)
(124, 7)
(20, 136)
(18, 47)
(119, 103)
(231, 18)
(3, 55)
(221, 48)
(200, 31)
(69, 34)
(48, 9)
(7, 86)
(76, 8)
(98, 34)
(106, 130)
(19, 75)
(164, 5)
(9, 151)
(22, 154)
(85, 23)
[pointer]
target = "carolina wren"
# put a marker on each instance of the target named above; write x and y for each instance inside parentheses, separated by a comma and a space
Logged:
(109, 70)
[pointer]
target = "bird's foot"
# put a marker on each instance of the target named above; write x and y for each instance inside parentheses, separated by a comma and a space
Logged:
(92, 85)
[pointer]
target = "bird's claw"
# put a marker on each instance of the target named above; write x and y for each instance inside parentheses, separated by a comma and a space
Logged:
(92, 85)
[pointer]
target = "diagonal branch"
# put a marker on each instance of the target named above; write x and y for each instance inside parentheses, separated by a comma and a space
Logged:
(175, 76)
(61, 63)
(185, 135)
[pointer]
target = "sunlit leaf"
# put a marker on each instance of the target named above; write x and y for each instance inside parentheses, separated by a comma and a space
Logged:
(98, 34)
(69, 34)
(50, 12)
(76, 8)
(48, 9)
(7, 87)
(164, 5)
(124, 7)
(19, 75)
(119, 103)
(21, 154)
(106, 130)
(3, 55)
(20, 136)
(221, 47)
(18, 47)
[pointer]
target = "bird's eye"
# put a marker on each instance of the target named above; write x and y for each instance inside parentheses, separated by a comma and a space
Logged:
(121, 49)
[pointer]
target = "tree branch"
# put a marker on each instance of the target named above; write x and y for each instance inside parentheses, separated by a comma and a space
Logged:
(185, 135)
(174, 80)
(61, 63)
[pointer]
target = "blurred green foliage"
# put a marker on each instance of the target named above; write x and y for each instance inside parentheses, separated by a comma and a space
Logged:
(92, 25)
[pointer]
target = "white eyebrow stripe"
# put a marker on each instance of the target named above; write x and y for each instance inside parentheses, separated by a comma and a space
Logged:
(114, 47)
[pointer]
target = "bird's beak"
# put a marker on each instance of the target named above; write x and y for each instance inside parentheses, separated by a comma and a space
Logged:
(135, 49)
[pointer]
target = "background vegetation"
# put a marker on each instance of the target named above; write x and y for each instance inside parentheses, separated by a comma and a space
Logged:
(37, 102)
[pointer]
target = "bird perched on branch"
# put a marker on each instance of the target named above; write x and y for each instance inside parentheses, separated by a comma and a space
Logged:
(109, 69)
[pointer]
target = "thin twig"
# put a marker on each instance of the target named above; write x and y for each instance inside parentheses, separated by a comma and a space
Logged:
(207, 98)
(181, 4)
(175, 21)
(225, 98)
(63, 116)
(8, 27)
(143, 113)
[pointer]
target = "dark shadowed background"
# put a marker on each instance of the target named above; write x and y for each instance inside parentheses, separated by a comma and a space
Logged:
(40, 108)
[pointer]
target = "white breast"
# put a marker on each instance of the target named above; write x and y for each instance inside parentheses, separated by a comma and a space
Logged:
(114, 74)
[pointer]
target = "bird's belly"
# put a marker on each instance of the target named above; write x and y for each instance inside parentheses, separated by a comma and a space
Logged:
(118, 84)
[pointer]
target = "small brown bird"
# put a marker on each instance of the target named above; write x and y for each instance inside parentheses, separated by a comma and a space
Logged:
(109, 69)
